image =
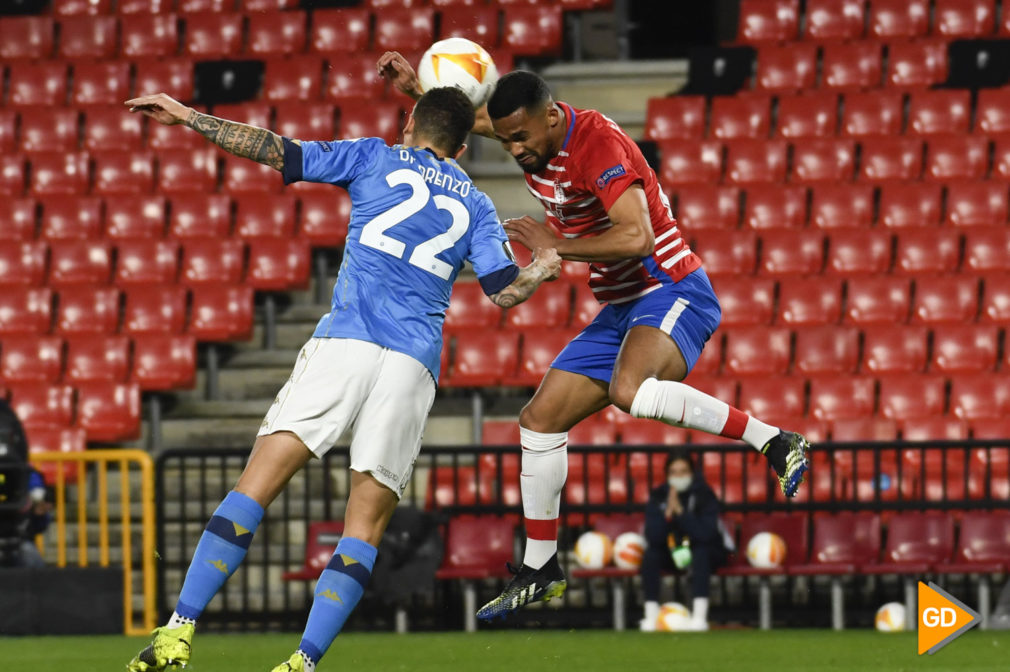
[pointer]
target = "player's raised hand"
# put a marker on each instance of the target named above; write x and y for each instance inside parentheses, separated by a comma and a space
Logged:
(394, 67)
(162, 108)
(549, 259)
(529, 233)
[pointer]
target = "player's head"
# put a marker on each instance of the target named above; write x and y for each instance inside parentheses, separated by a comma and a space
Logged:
(526, 120)
(442, 118)
(679, 470)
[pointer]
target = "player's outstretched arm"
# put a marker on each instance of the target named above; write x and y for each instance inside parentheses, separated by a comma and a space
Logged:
(248, 142)
(546, 265)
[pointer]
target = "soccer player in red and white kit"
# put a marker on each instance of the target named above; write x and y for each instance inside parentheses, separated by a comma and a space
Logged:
(604, 201)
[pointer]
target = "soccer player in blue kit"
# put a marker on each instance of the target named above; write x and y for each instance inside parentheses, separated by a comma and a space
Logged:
(373, 362)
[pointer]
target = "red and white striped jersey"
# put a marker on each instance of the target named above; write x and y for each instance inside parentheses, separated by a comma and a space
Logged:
(596, 164)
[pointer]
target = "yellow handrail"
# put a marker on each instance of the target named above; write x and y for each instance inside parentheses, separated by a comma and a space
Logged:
(133, 624)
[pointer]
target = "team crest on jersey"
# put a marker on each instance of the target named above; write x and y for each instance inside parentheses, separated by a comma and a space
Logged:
(559, 192)
(609, 174)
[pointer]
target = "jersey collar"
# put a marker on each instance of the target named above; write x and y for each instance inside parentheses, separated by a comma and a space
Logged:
(570, 118)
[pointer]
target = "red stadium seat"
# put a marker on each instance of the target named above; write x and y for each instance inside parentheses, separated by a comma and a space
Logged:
(757, 351)
(823, 160)
(768, 21)
(791, 527)
(43, 405)
(939, 112)
(996, 299)
(826, 350)
(42, 84)
(972, 204)
(1001, 159)
(200, 215)
(199, 6)
(748, 117)
(183, 170)
(539, 348)
(945, 299)
(109, 411)
(340, 30)
(265, 216)
(705, 206)
(102, 83)
(312, 121)
(991, 112)
(807, 116)
(898, 18)
(353, 76)
(31, 359)
(891, 159)
(529, 31)
(71, 218)
(135, 217)
(986, 249)
(146, 262)
(470, 309)
(549, 306)
(916, 543)
(295, 78)
(23, 263)
(853, 252)
(841, 397)
(851, 67)
(586, 306)
(709, 362)
(222, 313)
(242, 176)
(675, 118)
(906, 396)
(727, 252)
(956, 157)
(275, 33)
(175, 138)
(172, 76)
(404, 29)
(894, 349)
(871, 114)
(98, 357)
(320, 543)
(842, 543)
(255, 113)
(324, 217)
(155, 309)
(108, 128)
(938, 429)
(964, 18)
(982, 543)
(212, 35)
(26, 38)
(775, 207)
(690, 162)
(79, 262)
(144, 6)
(864, 429)
(755, 161)
(813, 302)
(145, 35)
(789, 253)
(379, 120)
(484, 358)
(909, 205)
(476, 547)
(982, 395)
(212, 261)
(59, 173)
(17, 219)
(842, 206)
(475, 22)
(87, 37)
(745, 301)
(87, 310)
(164, 362)
(56, 439)
(25, 310)
(927, 251)
(279, 264)
(833, 20)
(8, 130)
(49, 129)
(916, 64)
(964, 348)
(267, 5)
(877, 300)
(773, 396)
(119, 173)
(501, 433)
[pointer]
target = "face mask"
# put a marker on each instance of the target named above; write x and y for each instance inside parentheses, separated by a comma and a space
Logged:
(679, 483)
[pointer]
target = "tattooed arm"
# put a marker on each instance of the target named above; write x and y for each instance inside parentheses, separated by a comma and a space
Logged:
(248, 142)
(546, 265)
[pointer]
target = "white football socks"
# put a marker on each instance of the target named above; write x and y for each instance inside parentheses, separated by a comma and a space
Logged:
(699, 611)
(544, 471)
(681, 405)
(178, 620)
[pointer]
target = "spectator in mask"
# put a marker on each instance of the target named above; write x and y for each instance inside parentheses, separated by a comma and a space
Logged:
(682, 532)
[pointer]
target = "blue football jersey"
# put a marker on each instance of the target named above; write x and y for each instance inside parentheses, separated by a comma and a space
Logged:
(415, 220)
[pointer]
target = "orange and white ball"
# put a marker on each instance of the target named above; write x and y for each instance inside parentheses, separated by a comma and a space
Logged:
(673, 617)
(593, 550)
(766, 550)
(890, 617)
(628, 550)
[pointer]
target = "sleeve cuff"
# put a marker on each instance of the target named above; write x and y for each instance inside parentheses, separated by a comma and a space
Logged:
(292, 170)
(492, 283)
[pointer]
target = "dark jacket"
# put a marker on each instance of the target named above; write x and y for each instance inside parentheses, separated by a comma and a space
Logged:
(699, 520)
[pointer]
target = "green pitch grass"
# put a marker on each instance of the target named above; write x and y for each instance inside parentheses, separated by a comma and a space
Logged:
(522, 651)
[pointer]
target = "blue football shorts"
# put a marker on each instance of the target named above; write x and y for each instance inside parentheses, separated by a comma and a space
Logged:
(687, 310)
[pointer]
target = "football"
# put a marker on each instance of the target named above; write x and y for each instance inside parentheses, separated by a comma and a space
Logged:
(628, 550)
(766, 550)
(593, 550)
(673, 616)
(462, 63)
(890, 617)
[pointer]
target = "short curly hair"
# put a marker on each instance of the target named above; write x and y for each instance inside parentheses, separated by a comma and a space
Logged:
(444, 116)
(518, 89)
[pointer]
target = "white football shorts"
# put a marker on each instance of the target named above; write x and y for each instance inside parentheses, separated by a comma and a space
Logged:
(382, 395)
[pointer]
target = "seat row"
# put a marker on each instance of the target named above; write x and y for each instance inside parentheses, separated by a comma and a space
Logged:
(527, 30)
(746, 161)
(98, 7)
(106, 411)
(826, 115)
(770, 21)
(894, 205)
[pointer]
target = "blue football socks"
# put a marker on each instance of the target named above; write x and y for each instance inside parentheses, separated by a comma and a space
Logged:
(219, 553)
(338, 590)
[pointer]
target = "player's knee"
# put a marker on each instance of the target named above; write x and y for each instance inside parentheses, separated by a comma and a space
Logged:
(531, 419)
(622, 391)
